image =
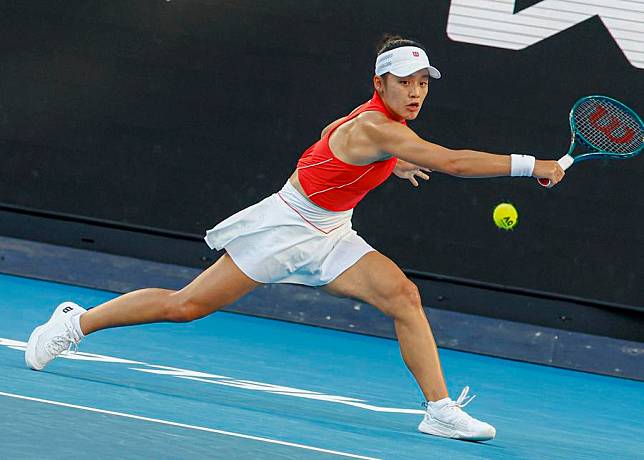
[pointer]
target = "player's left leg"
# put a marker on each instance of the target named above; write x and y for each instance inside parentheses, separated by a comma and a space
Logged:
(377, 280)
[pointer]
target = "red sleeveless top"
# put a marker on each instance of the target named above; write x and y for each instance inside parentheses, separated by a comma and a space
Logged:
(333, 184)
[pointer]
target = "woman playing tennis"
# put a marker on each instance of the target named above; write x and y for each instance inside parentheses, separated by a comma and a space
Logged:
(303, 235)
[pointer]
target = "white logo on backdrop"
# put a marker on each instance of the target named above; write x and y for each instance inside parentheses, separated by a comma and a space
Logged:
(494, 23)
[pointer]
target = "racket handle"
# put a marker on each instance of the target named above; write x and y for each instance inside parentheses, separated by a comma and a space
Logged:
(565, 162)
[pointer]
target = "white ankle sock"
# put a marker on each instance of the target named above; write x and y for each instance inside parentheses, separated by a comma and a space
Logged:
(76, 324)
(440, 403)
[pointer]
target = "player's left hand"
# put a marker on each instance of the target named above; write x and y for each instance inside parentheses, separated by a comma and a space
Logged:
(411, 172)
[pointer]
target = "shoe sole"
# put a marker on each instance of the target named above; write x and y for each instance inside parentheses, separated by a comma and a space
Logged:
(452, 434)
(30, 358)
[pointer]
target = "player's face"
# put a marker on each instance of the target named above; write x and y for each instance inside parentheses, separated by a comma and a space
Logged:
(404, 95)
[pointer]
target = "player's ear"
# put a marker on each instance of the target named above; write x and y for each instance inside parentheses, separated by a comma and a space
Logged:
(379, 83)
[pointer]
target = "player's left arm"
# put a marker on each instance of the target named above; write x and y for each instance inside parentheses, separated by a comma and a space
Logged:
(402, 142)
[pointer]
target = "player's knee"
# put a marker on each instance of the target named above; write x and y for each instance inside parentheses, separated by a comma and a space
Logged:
(404, 299)
(183, 310)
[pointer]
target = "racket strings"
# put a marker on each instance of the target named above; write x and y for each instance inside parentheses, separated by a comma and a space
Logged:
(608, 127)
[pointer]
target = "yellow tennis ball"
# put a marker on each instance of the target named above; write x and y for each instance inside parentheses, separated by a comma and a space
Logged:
(505, 216)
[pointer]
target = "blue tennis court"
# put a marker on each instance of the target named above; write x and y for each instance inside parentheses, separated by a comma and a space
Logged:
(234, 386)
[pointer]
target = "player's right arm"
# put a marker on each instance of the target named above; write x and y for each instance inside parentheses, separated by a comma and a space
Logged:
(400, 141)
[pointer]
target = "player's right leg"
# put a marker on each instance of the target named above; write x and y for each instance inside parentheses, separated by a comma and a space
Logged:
(218, 286)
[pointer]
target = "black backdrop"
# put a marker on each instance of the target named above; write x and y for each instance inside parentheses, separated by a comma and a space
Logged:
(176, 114)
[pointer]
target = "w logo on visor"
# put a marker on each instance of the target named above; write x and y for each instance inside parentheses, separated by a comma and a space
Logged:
(494, 22)
(415, 53)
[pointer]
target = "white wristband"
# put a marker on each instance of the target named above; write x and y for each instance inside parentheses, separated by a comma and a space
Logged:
(521, 165)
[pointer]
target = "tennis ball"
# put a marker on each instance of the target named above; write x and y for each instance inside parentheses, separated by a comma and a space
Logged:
(505, 216)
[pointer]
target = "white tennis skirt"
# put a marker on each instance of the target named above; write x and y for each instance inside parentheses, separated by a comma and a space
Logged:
(285, 238)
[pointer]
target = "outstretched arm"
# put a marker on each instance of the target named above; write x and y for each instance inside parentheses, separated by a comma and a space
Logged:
(403, 143)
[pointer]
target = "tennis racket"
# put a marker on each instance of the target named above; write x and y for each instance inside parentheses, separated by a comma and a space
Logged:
(601, 127)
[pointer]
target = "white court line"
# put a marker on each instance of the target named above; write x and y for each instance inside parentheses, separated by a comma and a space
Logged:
(215, 379)
(183, 425)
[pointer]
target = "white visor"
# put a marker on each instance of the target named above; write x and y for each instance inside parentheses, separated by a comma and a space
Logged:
(404, 61)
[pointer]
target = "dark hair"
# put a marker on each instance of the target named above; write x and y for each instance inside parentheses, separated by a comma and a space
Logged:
(389, 42)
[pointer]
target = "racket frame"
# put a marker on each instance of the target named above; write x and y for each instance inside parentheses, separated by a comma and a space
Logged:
(577, 138)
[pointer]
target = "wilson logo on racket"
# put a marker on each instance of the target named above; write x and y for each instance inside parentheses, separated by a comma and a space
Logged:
(611, 127)
(601, 127)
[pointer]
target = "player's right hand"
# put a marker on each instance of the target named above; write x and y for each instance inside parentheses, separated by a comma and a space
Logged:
(550, 170)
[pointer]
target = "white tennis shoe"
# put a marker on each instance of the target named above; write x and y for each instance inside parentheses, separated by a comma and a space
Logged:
(53, 338)
(447, 419)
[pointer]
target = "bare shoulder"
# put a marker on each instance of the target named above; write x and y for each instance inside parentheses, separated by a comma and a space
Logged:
(373, 121)
(373, 118)
(377, 125)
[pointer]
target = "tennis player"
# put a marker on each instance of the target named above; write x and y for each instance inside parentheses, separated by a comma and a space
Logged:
(303, 234)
